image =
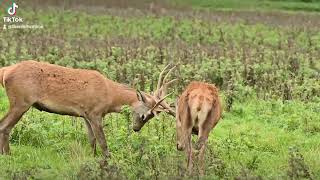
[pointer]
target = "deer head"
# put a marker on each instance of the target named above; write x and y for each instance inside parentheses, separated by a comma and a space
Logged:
(151, 105)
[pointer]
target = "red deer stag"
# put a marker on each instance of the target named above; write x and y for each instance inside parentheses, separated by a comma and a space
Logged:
(198, 111)
(74, 92)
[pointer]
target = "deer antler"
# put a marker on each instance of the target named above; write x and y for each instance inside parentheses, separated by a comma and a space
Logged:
(159, 102)
(162, 87)
(160, 76)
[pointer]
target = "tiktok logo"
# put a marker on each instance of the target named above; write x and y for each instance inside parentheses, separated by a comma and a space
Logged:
(12, 9)
(12, 21)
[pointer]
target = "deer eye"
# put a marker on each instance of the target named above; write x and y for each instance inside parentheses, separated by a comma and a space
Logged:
(142, 116)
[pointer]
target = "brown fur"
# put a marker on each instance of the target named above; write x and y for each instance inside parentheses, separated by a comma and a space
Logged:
(198, 112)
(66, 91)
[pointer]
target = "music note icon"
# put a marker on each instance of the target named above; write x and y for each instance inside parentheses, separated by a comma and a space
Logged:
(12, 9)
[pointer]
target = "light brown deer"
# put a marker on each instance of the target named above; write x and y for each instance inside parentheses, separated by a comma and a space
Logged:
(74, 92)
(198, 112)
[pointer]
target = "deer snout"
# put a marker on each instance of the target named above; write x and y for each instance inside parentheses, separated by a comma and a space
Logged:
(180, 147)
(136, 129)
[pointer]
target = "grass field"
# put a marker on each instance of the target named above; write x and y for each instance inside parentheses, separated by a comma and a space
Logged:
(265, 5)
(266, 64)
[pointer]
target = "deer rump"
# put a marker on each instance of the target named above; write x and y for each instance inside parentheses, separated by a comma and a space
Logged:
(199, 106)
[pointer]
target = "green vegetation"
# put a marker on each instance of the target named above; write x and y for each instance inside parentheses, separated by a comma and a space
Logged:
(255, 139)
(268, 73)
(286, 5)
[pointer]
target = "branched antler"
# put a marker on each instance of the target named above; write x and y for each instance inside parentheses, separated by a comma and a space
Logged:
(161, 91)
(160, 80)
(162, 85)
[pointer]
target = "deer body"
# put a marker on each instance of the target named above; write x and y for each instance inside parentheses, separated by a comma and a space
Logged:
(67, 91)
(198, 111)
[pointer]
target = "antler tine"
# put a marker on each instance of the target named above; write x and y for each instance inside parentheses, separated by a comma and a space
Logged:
(168, 108)
(160, 81)
(166, 76)
(163, 87)
(159, 102)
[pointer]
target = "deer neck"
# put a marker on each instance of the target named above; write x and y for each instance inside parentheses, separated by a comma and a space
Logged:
(123, 95)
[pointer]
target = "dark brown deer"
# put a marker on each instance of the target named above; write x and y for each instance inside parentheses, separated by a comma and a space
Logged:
(198, 112)
(74, 92)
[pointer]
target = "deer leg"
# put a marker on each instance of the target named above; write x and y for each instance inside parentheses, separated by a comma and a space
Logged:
(189, 155)
(91, 137)
(6, 148)
(188, 149)
(96, 124)
(3, 142)
(6, 125)
(201, 146)
(202, 160)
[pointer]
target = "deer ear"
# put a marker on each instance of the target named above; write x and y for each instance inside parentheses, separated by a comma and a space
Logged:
(141, 97)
